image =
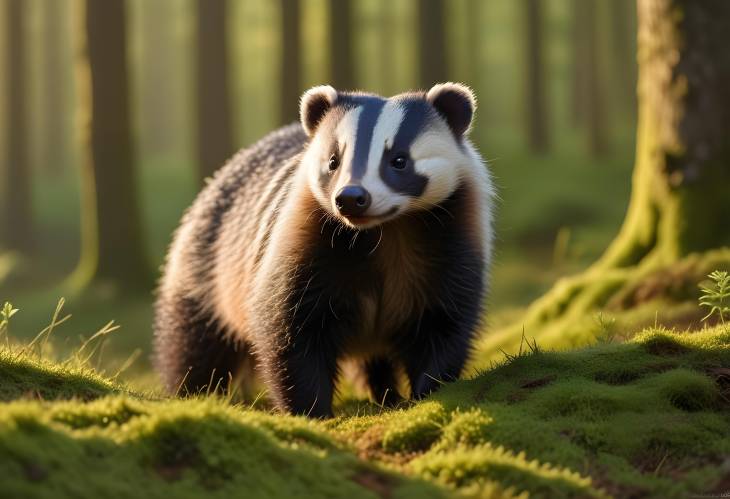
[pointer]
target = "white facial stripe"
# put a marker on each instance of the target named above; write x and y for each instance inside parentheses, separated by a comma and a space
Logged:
(346, 134)
(384, 134)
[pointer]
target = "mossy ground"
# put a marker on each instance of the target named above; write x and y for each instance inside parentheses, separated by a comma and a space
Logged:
(647, 417)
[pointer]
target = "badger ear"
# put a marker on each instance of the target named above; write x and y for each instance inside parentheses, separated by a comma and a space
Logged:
(455, 103)
(314, 104)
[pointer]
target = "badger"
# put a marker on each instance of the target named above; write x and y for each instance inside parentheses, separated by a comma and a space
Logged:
(362, 234)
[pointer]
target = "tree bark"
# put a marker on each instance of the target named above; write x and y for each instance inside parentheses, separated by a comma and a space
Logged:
(291, 87)
(214, 123)
(432, 43)
(536, 110)
(17, 226)
(342, 56)
(55, 152)
(112, 244)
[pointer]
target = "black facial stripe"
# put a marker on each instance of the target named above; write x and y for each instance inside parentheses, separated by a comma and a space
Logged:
(371, 109)
(416, 114)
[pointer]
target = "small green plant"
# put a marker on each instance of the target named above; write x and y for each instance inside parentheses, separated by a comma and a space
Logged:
(5, 314)
(607, 329)
(717, 295)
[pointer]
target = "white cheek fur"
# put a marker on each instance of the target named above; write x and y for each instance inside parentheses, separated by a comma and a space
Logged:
(438, 157)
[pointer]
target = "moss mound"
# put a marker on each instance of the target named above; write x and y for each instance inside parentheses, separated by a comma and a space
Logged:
(649, 417)
(24, 375)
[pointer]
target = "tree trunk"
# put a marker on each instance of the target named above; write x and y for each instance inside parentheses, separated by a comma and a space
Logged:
(290, 61)
(536, 111)
(342, 56)
(112, 249)
(432, 43)
(588, 83)
(17, 226)
(215, 135)
(55, 152)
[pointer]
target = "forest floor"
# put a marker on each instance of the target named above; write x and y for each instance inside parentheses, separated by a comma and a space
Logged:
(647, 416)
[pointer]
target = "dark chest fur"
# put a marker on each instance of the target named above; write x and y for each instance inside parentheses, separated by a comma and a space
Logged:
(369, 289)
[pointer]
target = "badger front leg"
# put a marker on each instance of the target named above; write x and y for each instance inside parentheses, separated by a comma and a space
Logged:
(302, 375)
(434, 349)
(300, 365)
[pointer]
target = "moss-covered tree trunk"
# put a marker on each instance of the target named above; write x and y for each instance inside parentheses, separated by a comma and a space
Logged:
(214, 123)
(677, 225)
(112, 244)
(17, 220)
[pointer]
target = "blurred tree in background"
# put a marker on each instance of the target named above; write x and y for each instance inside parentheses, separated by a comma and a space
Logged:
(623, 45)
(342, 31)
(157, 69)
(432, 43)
(291, 37)
(536, 102)
(215, 135)
(112, 243)
(17, 219)
(55, 104)
(588, 91)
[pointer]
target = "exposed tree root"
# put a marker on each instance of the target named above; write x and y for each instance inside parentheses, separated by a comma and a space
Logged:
(581, 308)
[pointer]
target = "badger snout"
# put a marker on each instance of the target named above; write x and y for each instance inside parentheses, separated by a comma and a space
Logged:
(352, 201)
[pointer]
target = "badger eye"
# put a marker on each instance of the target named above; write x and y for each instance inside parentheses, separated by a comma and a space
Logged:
(399, 162)
(334, 162)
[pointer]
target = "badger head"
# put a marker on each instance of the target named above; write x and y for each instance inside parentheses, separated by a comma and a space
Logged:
(371, 159)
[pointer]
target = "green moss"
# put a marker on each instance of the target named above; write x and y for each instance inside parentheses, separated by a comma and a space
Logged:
(415, 429)
(467, 428)
(687, 390)
(467, 465)
(645, 417)
(179, 449)
(25, 375)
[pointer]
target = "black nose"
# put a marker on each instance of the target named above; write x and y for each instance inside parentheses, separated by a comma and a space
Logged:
(352, 200)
